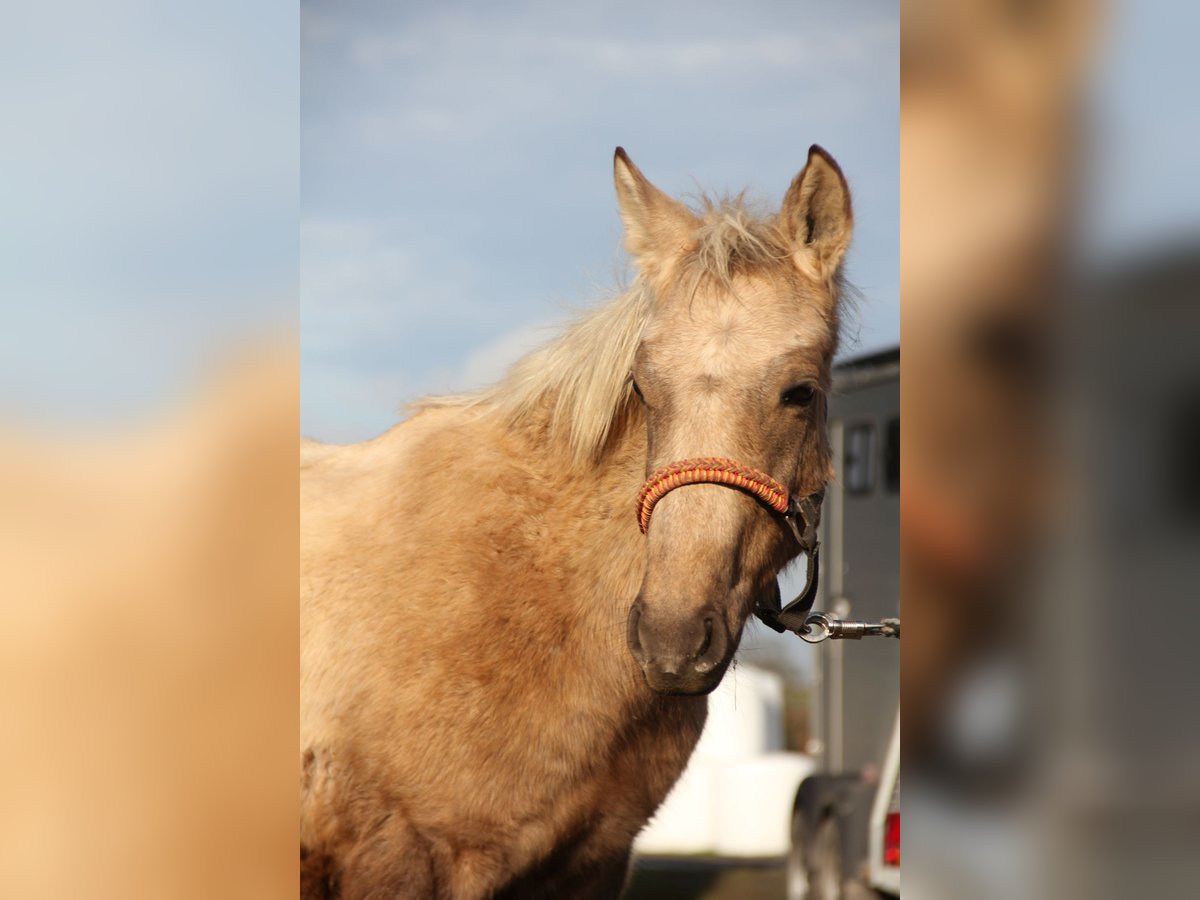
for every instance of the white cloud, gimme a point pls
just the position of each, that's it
(445, 44)
(461, 76)
(362, 285)
(488, 364)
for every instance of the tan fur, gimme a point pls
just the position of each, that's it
(473, 723)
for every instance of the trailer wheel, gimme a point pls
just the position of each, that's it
(814, 866)
(825, 861)
(797, 870)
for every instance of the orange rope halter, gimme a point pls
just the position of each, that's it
(713, 470)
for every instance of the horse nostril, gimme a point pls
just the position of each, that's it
(708, 633)
(632, 635)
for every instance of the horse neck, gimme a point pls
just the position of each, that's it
(595, 541)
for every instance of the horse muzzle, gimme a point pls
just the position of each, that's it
(679, 655)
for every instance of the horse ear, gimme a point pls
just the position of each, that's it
(817, 217)
(657, 228)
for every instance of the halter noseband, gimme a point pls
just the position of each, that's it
(803, 515)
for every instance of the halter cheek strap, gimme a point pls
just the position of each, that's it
(802, 515)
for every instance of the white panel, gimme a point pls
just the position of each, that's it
(754, 804)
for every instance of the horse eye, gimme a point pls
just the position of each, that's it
(798, 395)
(637, 390)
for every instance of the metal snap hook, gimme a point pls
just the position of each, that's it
(821, 626)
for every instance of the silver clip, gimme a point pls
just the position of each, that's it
(821, 626)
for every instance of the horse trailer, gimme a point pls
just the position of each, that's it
(846, 817)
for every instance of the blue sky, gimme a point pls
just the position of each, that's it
(457, 196)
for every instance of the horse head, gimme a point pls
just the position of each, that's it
(734, 362)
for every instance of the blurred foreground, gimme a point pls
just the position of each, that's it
(149, 649)
(148, 440)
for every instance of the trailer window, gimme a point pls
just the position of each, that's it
(891, 457)
(858, 462)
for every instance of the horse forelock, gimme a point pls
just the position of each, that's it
(734, 238)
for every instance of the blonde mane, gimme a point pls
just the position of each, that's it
(581, 378)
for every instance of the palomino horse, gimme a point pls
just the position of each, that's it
(502, 676)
